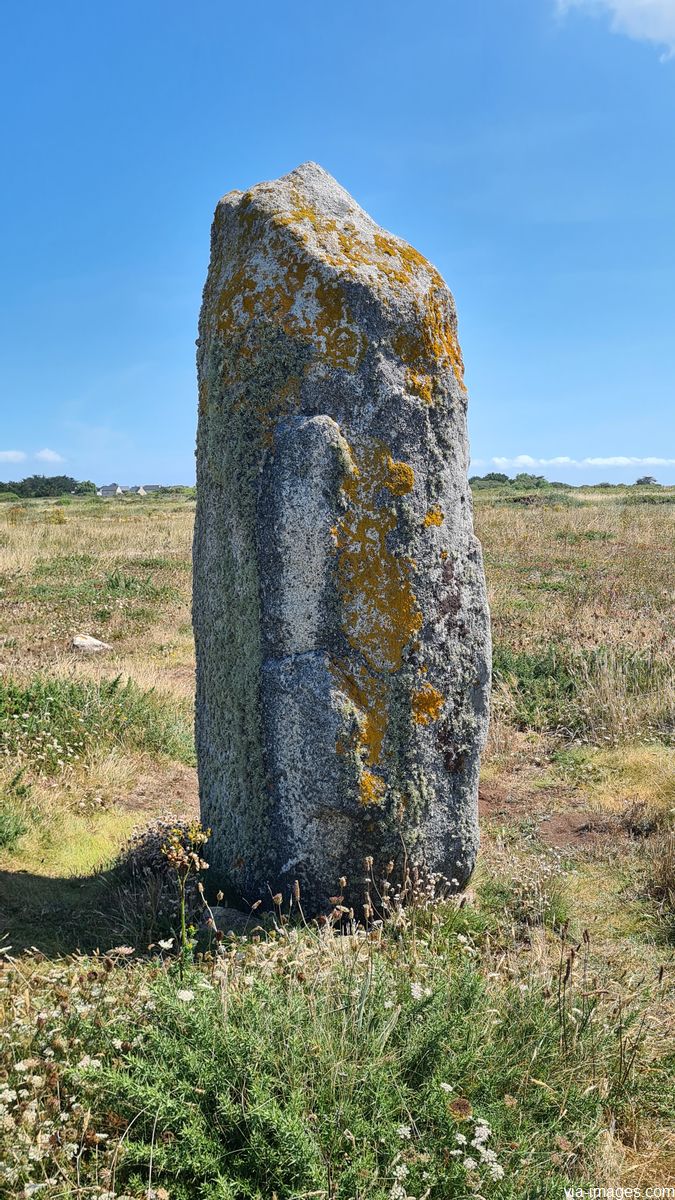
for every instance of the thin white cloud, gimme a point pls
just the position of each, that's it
(12, 456)
(645, 20)
(527, 462)
(50, 456)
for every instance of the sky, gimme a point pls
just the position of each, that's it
(525, 146)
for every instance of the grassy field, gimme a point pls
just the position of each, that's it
(510, 1045)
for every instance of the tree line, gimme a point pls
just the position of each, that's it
(37, 486)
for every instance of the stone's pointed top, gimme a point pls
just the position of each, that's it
(305, 190)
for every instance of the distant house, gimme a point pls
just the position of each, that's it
(117, 489)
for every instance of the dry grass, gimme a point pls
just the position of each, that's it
(599, 575)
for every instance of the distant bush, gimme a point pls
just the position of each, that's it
(5, 496)
(651, 498)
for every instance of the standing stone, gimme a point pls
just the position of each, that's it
(340, 614)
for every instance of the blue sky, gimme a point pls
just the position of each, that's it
(525, 146)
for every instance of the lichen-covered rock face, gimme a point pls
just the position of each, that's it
(340, 615)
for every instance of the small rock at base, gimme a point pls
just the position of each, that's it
(86, 644)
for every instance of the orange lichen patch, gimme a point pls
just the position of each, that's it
(434, 516)
(299, 300)
(369, 693)
(427, 705)
(421, 385)
(435, 342)
(444, 555)
(341, 343)
(399, 478)
(380, 608)
(380, 611)
(348, 248)
(371, 788)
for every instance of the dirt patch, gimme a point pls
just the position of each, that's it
(174, 790)
(573, 826)
(577, 828)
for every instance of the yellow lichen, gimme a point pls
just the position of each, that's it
(371, 788)
(422, 385)
(434, 343)
(399, 477)
(434, 516)
(380, 612)
(427, 705)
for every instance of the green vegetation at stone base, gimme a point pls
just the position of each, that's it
(415, 1061)
(48, 723)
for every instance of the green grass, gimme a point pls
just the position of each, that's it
(50, 723)
(560, 689)
(346, 1068)
(13, 818)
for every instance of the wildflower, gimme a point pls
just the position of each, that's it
(185, 995)
(87, 1062)
(403, 1131)
(470, 1164)
(446, 1087)
(166, 943)
(496, 1172)
(460, 1139)
(416, 991)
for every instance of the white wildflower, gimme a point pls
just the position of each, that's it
(185, 995)
(404, 1131)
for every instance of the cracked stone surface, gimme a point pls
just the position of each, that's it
(340, 614)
